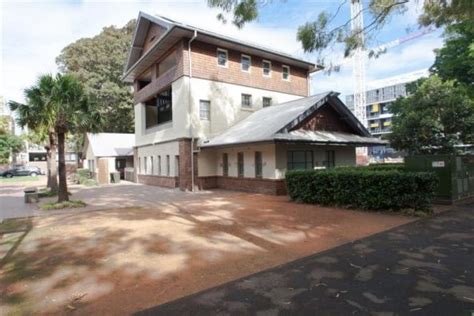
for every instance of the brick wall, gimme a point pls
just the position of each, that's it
(265, 186)
(185, 181)
(204, 63)
(325, 119)
(169, 182)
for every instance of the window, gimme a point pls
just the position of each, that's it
(159, 165)
(139, 165)
(330, 158)
(286, 73)
(300, 159)
(167, 165)
(258, 164)
(246, 100)
(266, 102)
(222, 57)
(240, 164)
(204, 110)
(152, 169)
(145, 165)
(225, 165)
(266, 65)
(159, 110)
(245, 63)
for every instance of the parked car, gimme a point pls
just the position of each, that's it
(21, 171)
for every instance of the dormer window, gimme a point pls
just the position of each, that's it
(222, 57)
(245, 63)
(267, 66)
(286, 73)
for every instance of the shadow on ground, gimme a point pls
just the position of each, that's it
(422, 268)
(123, 260)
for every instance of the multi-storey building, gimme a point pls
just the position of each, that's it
(212, 111)
(381, 94)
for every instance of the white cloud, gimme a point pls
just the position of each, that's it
(35, 32)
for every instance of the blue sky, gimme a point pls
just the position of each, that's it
(34, 32)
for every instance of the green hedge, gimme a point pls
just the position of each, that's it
(363, 188)
(83, 176)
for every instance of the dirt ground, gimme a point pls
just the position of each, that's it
(123, 260)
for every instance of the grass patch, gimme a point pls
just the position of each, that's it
(62, 205)
(44, 193)
(20, 179)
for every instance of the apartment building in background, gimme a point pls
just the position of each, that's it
(380, 95)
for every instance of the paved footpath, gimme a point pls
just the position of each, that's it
(422, 268)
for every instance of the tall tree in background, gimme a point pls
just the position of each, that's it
(455, 60)
(98, 63)
(37, 115)
(326, 30)
(434, 118)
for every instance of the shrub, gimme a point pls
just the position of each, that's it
(363, 188)
(83, 176)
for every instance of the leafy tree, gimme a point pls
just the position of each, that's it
(37, 114)
(73, 112)
(98, 63)
(9, 143)
(322, 33)
(455, 60)
(433, 119)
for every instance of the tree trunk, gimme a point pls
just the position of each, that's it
(62, 193)
(52, 163)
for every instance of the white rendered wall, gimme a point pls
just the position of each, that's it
(169, 148)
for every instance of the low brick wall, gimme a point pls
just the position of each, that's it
(265, 186)
(168, 182)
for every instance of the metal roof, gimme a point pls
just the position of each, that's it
(110, 144)
(274, 123)
(177, 30)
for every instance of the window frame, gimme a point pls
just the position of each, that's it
(208, 117)
(263, 102)
(159, 165)
(269, 68)
(145, 167)
(306, 162)
(283, 73)
(330, 161)
(242, 56)
(222, 50)
(240, 164)
(242, 101)
(258, 164)
(168, 166)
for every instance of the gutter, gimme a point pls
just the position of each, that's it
(191, 122)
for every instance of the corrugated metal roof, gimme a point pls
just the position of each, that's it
(111, 144)
(274, 122)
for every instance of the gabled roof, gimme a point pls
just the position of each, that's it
(275, 123)
(110, 144)
(176, 30)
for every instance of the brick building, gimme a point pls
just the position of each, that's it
(212, 111)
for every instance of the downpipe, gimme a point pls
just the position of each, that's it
(191, 123)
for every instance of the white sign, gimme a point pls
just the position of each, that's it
(437, 164)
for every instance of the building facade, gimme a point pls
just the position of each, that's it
(192, 86)
(381, 94)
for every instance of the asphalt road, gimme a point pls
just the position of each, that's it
(422, 268)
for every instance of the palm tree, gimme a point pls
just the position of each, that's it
(73, 112)
(37, 115)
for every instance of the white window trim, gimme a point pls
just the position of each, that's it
(263, 69)
(241, 103)
(226, 59)
(208, 102)
(289, 75)
(250, 63)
